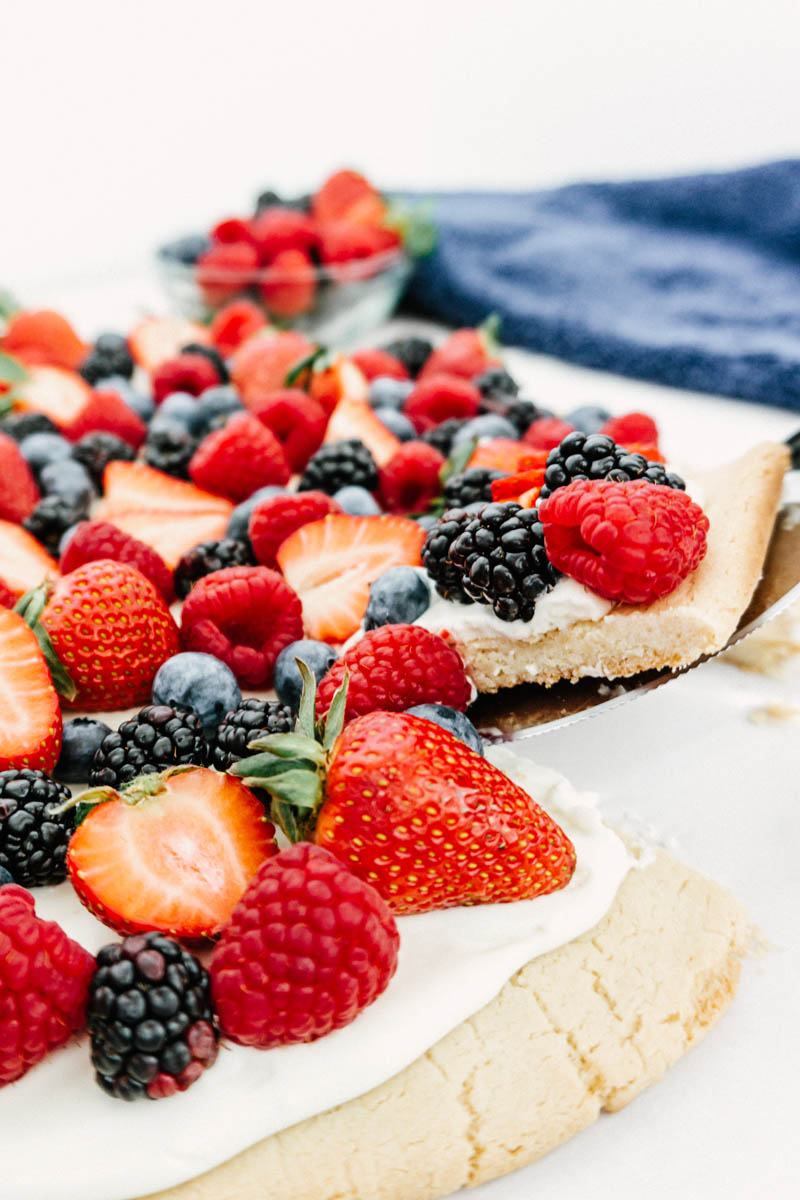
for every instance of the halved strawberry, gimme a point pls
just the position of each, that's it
(24, 563)
(331, 563)
(175, 854)
(106, 412)
(155, 339)
(504, 454)
(30, 714)
(171, 533)
(58, 393)
(352, 419)
(340, 380)
(131, 485)
(43, 336)
(523, 488)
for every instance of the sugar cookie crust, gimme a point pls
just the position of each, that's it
(741, 500)
(577, 1031)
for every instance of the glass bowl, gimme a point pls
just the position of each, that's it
(339, 302)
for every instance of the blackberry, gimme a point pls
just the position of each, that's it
(503, 561)
(496, 381)
(441, 437)
(522, 414)
(251, 720)
(470, 486)
(109, 356)
(170, 449)
(436, 554)
(158, 737)
(150, 1021)
(339, 464)
(96, 450)
(33, 838)
(21, 425)
(596, 456)
(214, 357)
(50, 519)
(207, 557)
(413, 353)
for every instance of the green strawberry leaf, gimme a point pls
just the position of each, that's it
(30, 607)
(457, 462)
(334, 722)
(307, 710)
(11, 369)
(309, 360)
(415, 225)
(8, 305)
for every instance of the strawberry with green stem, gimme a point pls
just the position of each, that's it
(409, 808)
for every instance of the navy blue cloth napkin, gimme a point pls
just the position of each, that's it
(691, 281)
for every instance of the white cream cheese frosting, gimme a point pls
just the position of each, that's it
(64, 1139)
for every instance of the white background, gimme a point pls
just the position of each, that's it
(126, 123)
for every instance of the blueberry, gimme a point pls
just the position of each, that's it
(318, 657)
(39, 449)
(397, 597)
(589, 418)
(488, 426)
(397, 423)
(139, 402)
(199, 682)
(453, 721)
(357, 501)
(186, 249)
(111, 343)
(5, 877)
(66, 537)
(385, 392)
(81, 738)
(179, 408)
(68, 479)
(216, 402)
(427, 521)
(240, 517)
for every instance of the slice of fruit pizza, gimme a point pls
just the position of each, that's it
(371, 536)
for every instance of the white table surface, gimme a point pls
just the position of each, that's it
(723, 792)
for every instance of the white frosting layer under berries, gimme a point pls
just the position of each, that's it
(564, 605)
(64, 1139)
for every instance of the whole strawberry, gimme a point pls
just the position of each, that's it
(111, 630)
(44, 984)
(308, 947)
(410, 809)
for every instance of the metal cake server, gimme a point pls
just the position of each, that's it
(531, 709)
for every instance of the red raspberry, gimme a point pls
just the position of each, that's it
(98, 539)
(273, 519)
(7, 597)
(279, 229)
(234, 324)
(633, 428)
(191, 373)
(375, 363)
(439, 397)
(411, 478)
(289, 284)
(18, 490)
(231, 230)
(626, 541)
(395, 667)
(243, 616)
(309, 946)
(225, 270)
(106, 412)
(297, 421)
(240, 458)
(546, 433)
(44, 984)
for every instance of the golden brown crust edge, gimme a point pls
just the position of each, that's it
(698, 618)
(577, 1031)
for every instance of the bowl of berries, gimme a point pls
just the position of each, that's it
(332, 264)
